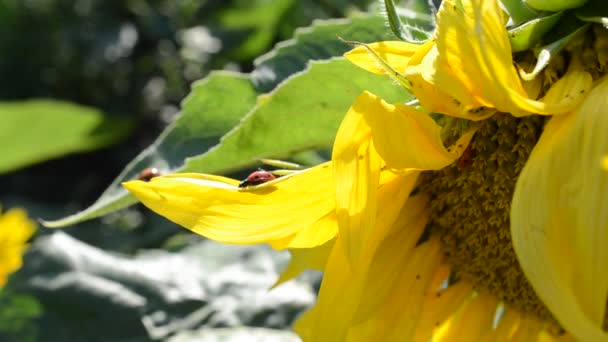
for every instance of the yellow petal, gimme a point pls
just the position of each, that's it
(305, 259)
(216, 208)
(564, 95)
(356, 167)
(472, 321)
(344, 282)
(475, 63)
(559, 217)
(326, 227)
(321, 231)
(462, 37)
(398, 308)
(405, 137)
(385, 58)
(508, 326)
(514, 325)
(420, 73)
(330, 318)
(439, 306)
(395, 259)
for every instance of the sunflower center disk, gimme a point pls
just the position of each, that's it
(471, 202)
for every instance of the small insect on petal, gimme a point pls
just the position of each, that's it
(147, 174)
(257, 177)
(467, 158)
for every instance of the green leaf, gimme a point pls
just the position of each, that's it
(18, 314)
(41, 129)
(394, 21)
(554, 5)
(227, 97)
(317, 42)
(519, 11)
(258, 21)
(404, 31)
(528, 34)
(302, 113)
(214, 106)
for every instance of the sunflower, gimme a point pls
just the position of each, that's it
(15, 230)
(478, 214)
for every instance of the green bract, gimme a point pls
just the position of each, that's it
(554, 5)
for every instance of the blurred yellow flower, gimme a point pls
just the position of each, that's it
(501, 235)
(15, 230)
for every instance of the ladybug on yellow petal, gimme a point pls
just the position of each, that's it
(147, 174)
(256, 178)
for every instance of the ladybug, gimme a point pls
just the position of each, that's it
(148, 174)
(257, 177)
(467, 157)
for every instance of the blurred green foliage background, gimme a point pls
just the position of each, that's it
(89, 84)
(133, 60)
